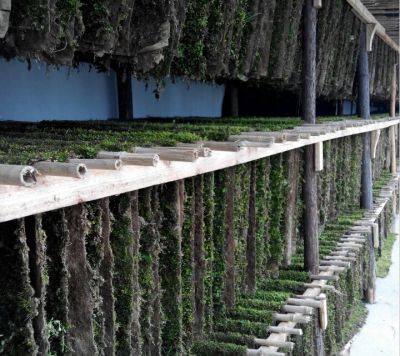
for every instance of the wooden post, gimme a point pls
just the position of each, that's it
(231, 100)
(366, 177)
(124, 85)
(311, 248)
(393, 92)
(364, 112)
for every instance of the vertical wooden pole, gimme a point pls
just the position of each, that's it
(393, 92)
(124, 86)
(231, 100)
(311, 253)
(364, 112)
(311, 243)
(366, 175)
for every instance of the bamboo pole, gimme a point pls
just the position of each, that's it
(285, 330)
(24, 176)
(145, 159)
(296, 318)
(304, 302)
(319, 286)
(264, 139)
(106, 164)
(223, 146)
(170, 153)
(287, 345)
(60, 169)
(298, 309)
(335, 263)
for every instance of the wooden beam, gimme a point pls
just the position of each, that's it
(367, 18)
(52, 193)
(319, 156)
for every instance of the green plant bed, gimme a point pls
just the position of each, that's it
(282, 285)
(234, 338)
(213, 348)
(244, 326)
(385, 259)
(262, 314)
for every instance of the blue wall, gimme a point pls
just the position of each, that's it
(71, 94)
(193, 99)
(41, 94)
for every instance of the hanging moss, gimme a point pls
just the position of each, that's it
(188, 262)
(80, 303)
(36, 241)
(55, 226)
(17, 305)
(170, 269)
(122, 247)
(209, 250)
(218, 241)
(241, 223)
(263, 195)
(213, 348)
(277, 188)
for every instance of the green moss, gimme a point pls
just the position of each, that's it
(122, 246)
(170, 269)
(385, 259)
(243, 326)
(252, 314)
(234, 338)
(214, 348)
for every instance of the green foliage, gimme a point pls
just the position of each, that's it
(234, 338)
(170, 269)
(277, 185)
(121, 242)
(214, 348)
(385, 259)
(55, 329)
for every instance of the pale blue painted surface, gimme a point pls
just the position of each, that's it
(41, 94)
(179, 99)
(71, 94)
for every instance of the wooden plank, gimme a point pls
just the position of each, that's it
(319, 156)
(52, 193)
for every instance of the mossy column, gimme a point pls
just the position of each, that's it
(366, 175)
(170, 268)
(311, 245)
(311, 257)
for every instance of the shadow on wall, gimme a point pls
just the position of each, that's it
(43, 93)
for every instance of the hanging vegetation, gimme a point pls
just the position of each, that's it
(256, 40)
(197, 266)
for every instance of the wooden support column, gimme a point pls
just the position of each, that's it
(311, 255)
(124, 85)
(231, 100)
(366, 175)
(393, 158)
(393, 92)
(311, 244)
(319, 156)
(375, 135)
(364, 112)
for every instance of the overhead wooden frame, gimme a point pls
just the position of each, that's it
(366, 16)
(371, 30)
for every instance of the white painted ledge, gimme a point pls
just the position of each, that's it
(59, 192)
